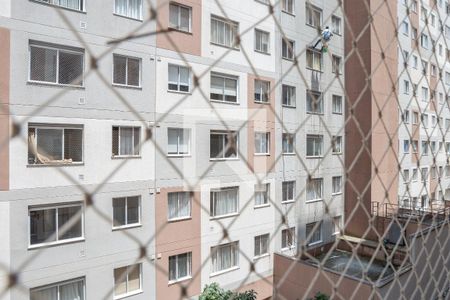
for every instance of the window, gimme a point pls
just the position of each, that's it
(180, 266)
(224, 88)
(288, 191)
(54, 144)
(179, 141)
(406, 87)
(288, 95)
(415, 61)
(405, 57)
(129, 8)
(262, 91)
(405, 28)
(314, 60)
(424, 174)
(424, 94)
(288, 143)
(337, 185)
(424, 67)
(262, 244)
(288, 238)
(337, 225)
(70, 289)
(224, 32)
(223, 144)
(433, 147)
(433, 70)
(424, 40)
(337, 144)
(424, 148)
(180, 17)
(413, 33)
(336, 104)
(415, 118)
(405, 175)
(126, 70)
(415, 146)
(406, 116)
(447, 170)
(127, 280)
(424, 14)
(447, 77)
(314, 189)
(337, 65)
(433, 172)
(70, 4)
(225, 257)
(126, 141)
(287, 48)
(262, 41)
(425, 120)
(179, 78)
(313, 16)
(46, 223)
(56, 64)
(224, 201)
(336, 25)
(314, 102)
(414, 175)
(262, 143)
(405, 146)
(314, 233)
(287, 6)
(126, 211)
(314, 145)
(179, 205)
(262, 194)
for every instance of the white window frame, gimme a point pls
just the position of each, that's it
(179, 7)
(178, 82)
(184, 131)
(338, 30)
(265, 34)
(128, 13)
(81, 6)
(289, 45)
(127, 294)
(334, 98)
(233, 28)
(58, 49)
(128, 225)
(262, 191)
(57, 240)
(59, 284)
(336, 64)
(312, 57)
(288, 238)
(288, 93)
(234, 248)
(259, 244)
(317, 231)
(316, 137)
(287, 188)
(138, 153)
(224, 144)
(309, 9)
(225, 77)
(337, 147)
(179, 196)
(312, 184)
(126, 71)
(314, 107)
(337, 225)
(259, 87)
(260, 136)
(188, 267)
(288, 6)
(288, 138)
(333, 181)
(212, 208)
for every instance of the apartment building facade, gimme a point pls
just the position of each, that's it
(148, 168)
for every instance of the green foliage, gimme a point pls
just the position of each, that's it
(320, 296)
(215, 292)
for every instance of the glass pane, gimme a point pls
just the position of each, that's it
(43, 64)
(134, 281)
(172, 268)
(173, 16)
(45, 294)
(121, 7)
(182, 265)
(137, 140)
(184, 205)
(73, 145)
(133, 71)
(49, 144)
(126, 141)
(173, 205)
(42, 226)
(72, 291)
(119, 211)
(70, 68)
(120, 67)
(120, 281)
(69, 214)
(132, 210)
(135, 9)
(231, 145)
(184, 76)
(184, 18)
(184, 141)
(172, 136)
(216, 145)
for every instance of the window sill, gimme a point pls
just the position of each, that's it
(315, 243)
(288, 106)
(261, 256)
(224, 271)
(179, 155)
(171, 282)
(313, 201)
(337, 113)
(314, 70)
(312, 26)
(173, 29)
(55, 165)
(126, 157)
(262, 154)
(125, 86)
(57, 243)
(223, 216)
(124, 227)
(129, 18)
(288, 154)
(288, 13)
(261, 102)
(180, 92)
(261, 206)
(225, 46)
(287, 202)
(288, 59)
(314, 157)
(128, 294)
(56, 85)
(336, 153)
(290, 248)
(224, 159)
(58, 6)
(175, 220)
(336, 194)
(224, 102)
(315, 113)
(262, 52)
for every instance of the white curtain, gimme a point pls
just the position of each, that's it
(45, 294)
(71, 291)
(135, 9)
(172, 135)
(126, 140)
(73, 4)
(173, 205)
(225, 202)
(121, 7)
(184, 206)
(185, 18)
